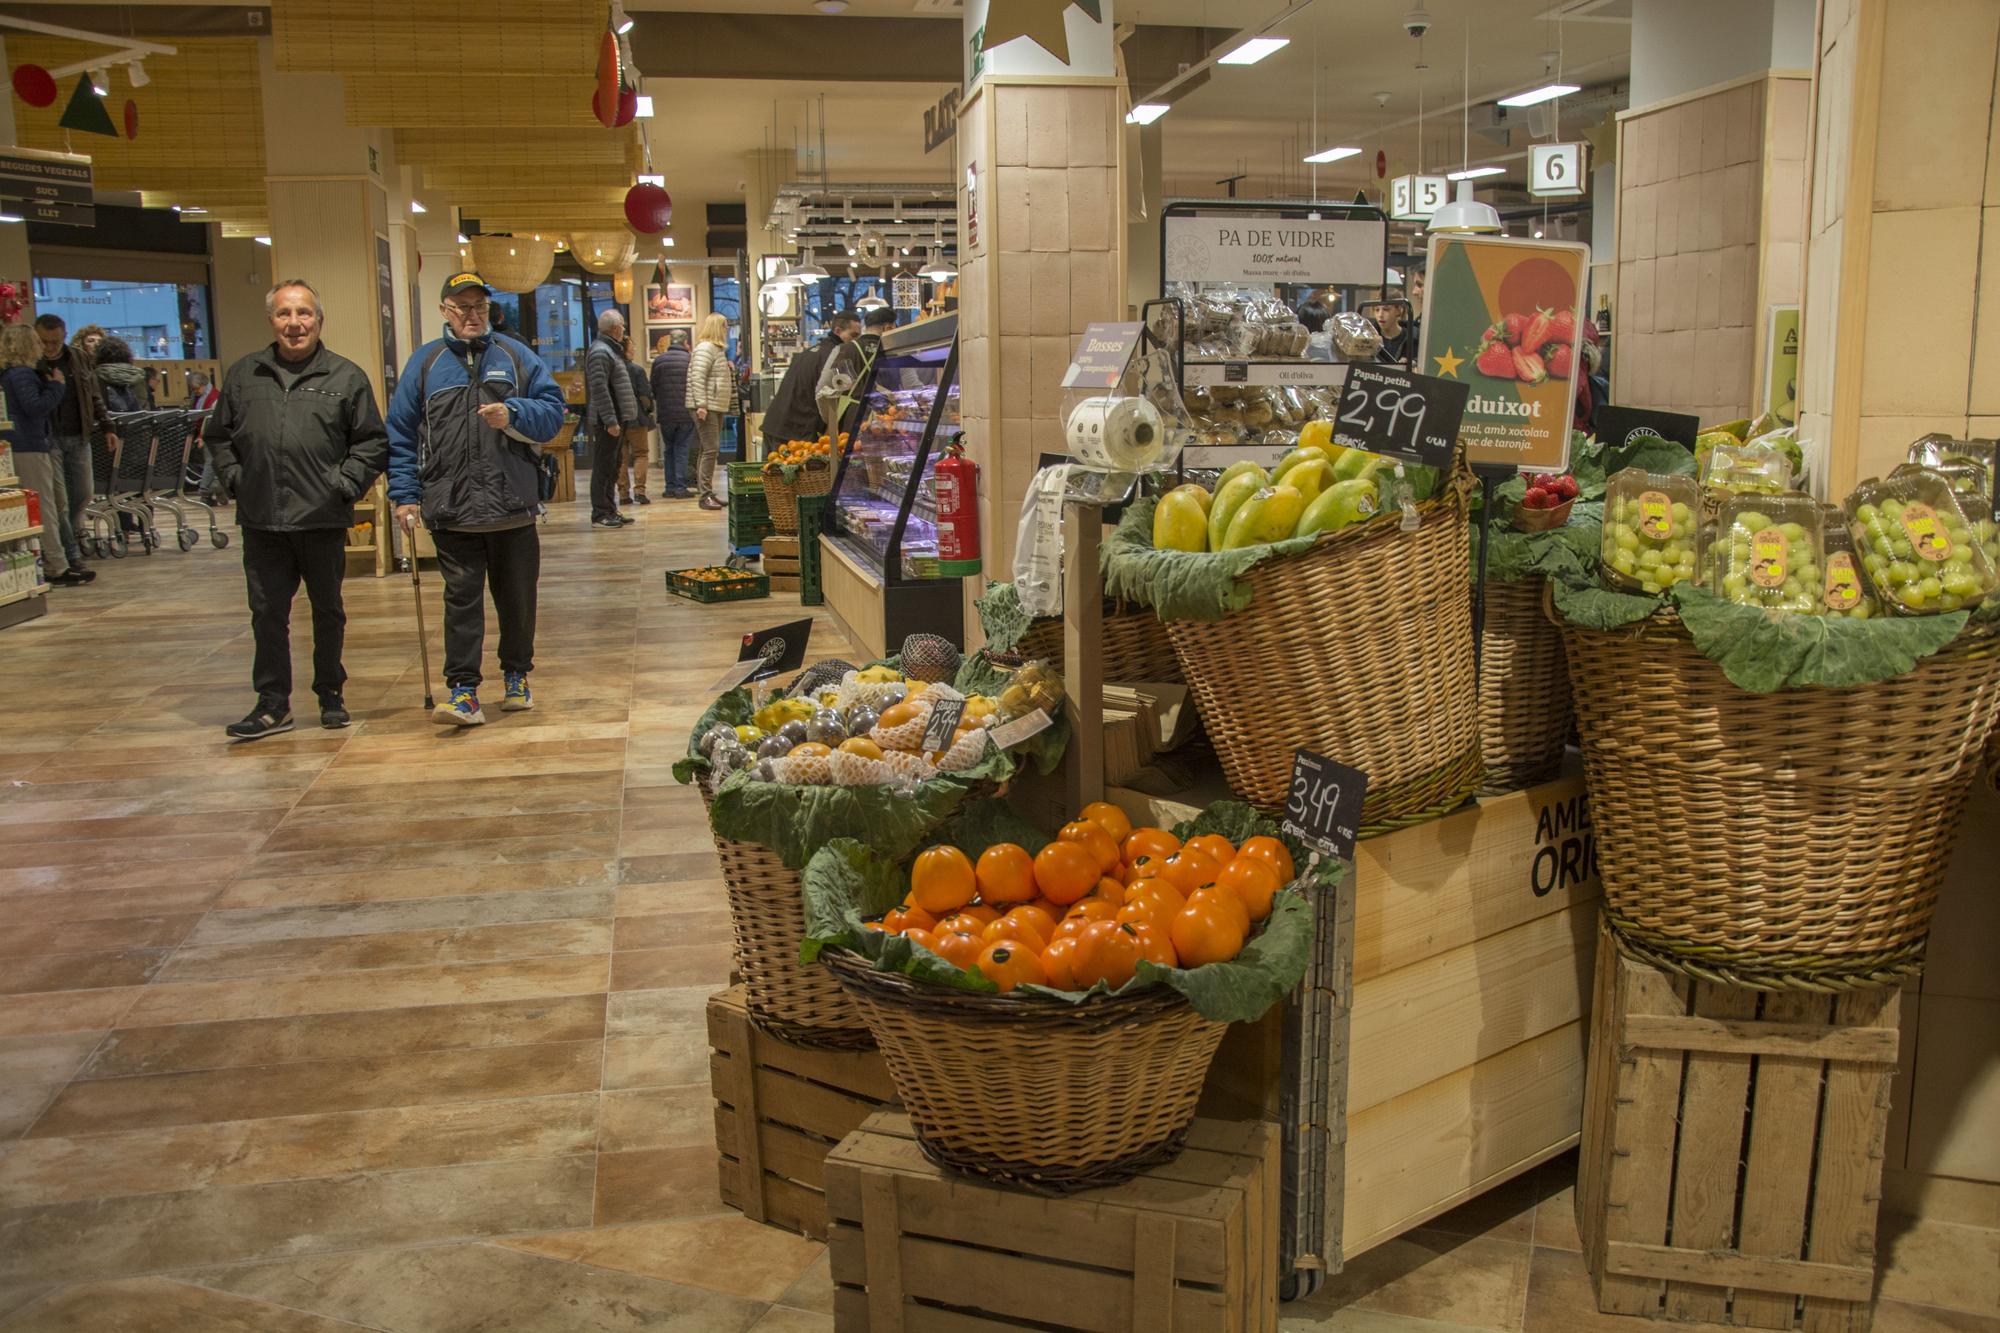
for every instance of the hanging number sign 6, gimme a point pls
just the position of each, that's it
(1555, 170)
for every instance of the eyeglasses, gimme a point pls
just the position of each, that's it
(460, 307)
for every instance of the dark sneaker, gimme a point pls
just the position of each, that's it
(627, 520)
(264, 722)
(607, 522)
(69, 578)
(83, 575)
(518, 698)
(333, 714)
(680, 494)
(624, 499)
(642, 498)
(461, 710)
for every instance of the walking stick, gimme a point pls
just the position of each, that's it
(417, 590)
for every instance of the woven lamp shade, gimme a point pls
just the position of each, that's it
(604, 251)
(513, 263)
(621, 286)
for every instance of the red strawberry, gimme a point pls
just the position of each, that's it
(1495, 360)
(1542, 500)
(1513, 325)
(1535, 332)
(1528, 367)
(1566, 487)
(1562, 326)
(1559, 359)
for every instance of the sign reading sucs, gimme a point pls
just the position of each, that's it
(1245, 248)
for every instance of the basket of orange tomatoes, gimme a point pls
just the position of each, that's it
(1048, 1007)
(795, 468)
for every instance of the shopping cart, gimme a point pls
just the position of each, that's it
(176, 432)
(118, 505)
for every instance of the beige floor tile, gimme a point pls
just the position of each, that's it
(389, 988)
(654, 1184)
(1938, 1263)
(398, 948)
(814, 1289)
(161, 1305)
(657, 1118)
(783, 1319)
(1467, 1280)
(729, 1253)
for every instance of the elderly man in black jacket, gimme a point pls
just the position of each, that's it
(297, 439)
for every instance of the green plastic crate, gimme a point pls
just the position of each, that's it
(745, 477)
(741, 586)
(812, 519)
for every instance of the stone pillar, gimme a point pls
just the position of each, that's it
(1041, 252)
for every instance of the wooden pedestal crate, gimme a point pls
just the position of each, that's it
(1189, 1247)
(779, 1109)
(1732, 1148)
(781, 562)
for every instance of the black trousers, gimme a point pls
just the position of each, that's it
(510, 563)
(274, 563)
(607, 460)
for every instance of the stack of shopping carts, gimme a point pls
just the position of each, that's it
(145, 473)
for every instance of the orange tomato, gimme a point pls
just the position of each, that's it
(1272, 852)
(1072, 926)
(959, 948)
(1204, 933)
(1006, 874)
(1149, 842)
(1044, 920)
(1065, 871)
(1107, 952)
(1156, 944)
(1059, 961)
(1146, 867)
(1022, 931)
(1159, 891)
(916, 935)
(1092, 838)
(1251, 880)
(942, 880)
(1109, 818)
(874, 925)
(1094, 908)
(981, 913)
(1131, 914)
(959, 923)
(906, 917)
(1109, 888)
(1007, 964)
(1214, 845)
(1236, 908)
(1188, 870)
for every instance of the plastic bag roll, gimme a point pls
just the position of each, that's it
(1116, 434)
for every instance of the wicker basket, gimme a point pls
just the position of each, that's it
(814, 477)
(1051, 1096)
(1791, 840)
(1525, 716)
(1135, 645)
(767, 916)
(1359, 647)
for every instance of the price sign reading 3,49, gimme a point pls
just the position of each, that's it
(1323, 807)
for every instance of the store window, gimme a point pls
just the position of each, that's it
(725, 298)
(163, 321)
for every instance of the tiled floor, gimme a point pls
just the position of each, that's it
(402, 1030)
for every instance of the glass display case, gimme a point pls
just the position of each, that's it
(881, 527)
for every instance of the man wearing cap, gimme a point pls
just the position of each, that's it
(471, 413)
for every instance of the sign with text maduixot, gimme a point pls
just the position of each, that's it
(1505, 317)
(1243, 247)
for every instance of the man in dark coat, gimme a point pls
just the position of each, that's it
(677, 430)
(297, 440)
(794, 410)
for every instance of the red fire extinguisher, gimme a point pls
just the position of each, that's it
(957, 511)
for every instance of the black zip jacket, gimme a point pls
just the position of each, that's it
(794, 411)
(297, 460)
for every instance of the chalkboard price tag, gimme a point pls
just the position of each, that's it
(1404, 415)
(768, 652)
(1624, 425)
(1323, 808)
(944, 721)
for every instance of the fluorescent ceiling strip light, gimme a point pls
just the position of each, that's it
(1146, 113)
(1254, 50)
(1548, 92)
(1474, 173)
(1333, 154)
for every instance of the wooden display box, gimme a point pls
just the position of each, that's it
(1732, 1149)
(1189, 1247)
(779, 1109)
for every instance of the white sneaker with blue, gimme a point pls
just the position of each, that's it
(518, 698)
(460, 710)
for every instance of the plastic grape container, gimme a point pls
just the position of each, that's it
(1971, 481)
(1769, 552)
(1916, 544)
(1747, 469)
(1845, 591)
(1651, 533)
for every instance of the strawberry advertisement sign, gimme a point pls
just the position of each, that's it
(1504, 317)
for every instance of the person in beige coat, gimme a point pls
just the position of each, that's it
(710, 383)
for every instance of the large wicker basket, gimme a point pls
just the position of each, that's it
(767, 916)
(1359, 648)
(1134, 644)
(1525, 715)
(1791, 840)
(781, 494)
(1051, 1096)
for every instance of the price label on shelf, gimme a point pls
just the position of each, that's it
(1010, 734)
(767, 652)
(1404, 415)
(1323, 808)
(944, 721)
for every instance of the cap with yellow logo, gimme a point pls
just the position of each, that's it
(459, 282)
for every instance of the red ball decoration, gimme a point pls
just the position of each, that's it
(628, 107)
(604, 99)
(131, 119)
(34, 85)
(648, 208)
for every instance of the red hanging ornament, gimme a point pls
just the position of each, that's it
(604, 101)
(648, 208)
(628, 105)
(34, 85)
(131, 119)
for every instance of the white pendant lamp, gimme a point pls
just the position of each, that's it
(1465, 215)
(809, 271)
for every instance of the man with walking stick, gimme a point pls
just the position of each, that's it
(296, 439)
(471, 413)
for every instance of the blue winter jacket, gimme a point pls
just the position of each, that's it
(31, 401)
(463, 472)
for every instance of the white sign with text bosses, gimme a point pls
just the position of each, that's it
(1555, 170)
(1415, 198)
(1242, 247)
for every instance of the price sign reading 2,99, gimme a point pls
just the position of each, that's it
(1411, 417)
(1323, 807)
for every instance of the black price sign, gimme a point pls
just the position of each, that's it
(1323, 808)
(1625, 425)
(944, 721)
(1404, 415)
(768, 652)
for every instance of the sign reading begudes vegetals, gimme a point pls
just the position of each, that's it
(1236, 247)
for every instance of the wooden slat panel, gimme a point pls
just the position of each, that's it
(1777, 1171)
(1716, 1271)
(1674, 1032)
(387, 36)
(378, 99)
(1646, 1108)
(1713, 1106)
(1848, 1183)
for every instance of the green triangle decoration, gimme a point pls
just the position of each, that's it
(86, 112)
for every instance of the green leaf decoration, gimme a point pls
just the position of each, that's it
(1180, 585)
(1761, 651)
(1582, 602)
(1650, 453)
(1001, 617)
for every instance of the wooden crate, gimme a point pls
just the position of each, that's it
(781, 557)
(784, 583)
(1189, 1247)
(1732, 1149)
(779, 1109)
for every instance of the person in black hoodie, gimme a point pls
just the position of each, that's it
(122, 383)
(794, 410)
(297, 439)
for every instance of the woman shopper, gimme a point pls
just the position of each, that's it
(123, 383)
(708, 386)
(32, 397)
